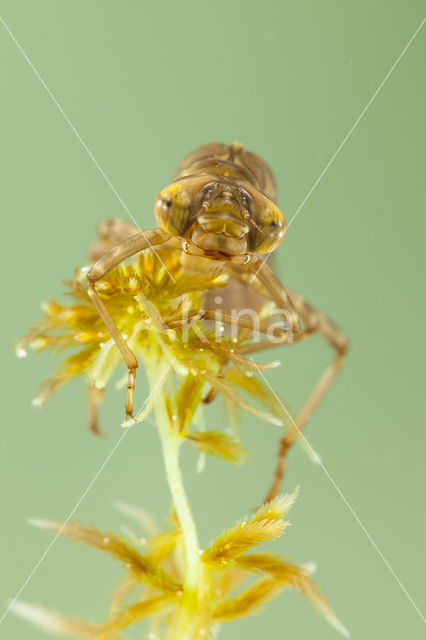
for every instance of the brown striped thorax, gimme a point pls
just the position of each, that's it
(221, 204)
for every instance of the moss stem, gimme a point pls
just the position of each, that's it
(170, 442)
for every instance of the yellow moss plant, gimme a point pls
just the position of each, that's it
(185, 591)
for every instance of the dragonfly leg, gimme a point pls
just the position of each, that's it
(111, 232)
(314, 322)
(292, 308)
(262, 272)
(95, 398)
(113, 258)
(235, 322)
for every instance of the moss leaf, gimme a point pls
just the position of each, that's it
(265, 524)
(219, 444)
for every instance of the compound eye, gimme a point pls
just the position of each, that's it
(173, 209)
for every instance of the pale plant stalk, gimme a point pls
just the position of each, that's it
(170, 442)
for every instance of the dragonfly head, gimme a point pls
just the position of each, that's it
(219, 217)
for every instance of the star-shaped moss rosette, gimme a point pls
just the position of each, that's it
(186, 591)
(146, 297)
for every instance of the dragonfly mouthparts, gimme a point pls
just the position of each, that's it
(223, 222)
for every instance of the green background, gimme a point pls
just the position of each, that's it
(144, 83)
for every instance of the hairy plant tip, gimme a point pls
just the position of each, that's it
(158, 308)
(139, 565)
(265, 524)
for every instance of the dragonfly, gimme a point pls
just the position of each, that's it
(221, 205)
